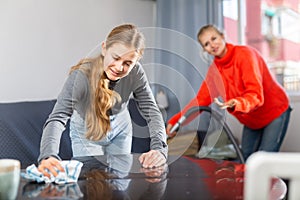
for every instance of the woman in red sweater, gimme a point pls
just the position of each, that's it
(240, 76)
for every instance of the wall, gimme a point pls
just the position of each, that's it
(41, 40)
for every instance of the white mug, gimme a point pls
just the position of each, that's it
(9, 178)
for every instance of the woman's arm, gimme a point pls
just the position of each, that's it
(251, 81)
(74, 89)
(150, 111)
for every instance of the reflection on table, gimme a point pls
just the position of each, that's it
(122, 177)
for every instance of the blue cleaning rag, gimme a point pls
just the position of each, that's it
(70, 175)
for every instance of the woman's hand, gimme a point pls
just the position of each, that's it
(50, 165)
(228, 104)
(169, 126)
(152, 158)
(52, 191)
(155, 175)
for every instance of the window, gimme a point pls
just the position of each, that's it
(279, 38)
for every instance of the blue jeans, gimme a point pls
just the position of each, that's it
(117, 141)
(268, 138)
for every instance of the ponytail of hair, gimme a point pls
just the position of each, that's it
(101, 98)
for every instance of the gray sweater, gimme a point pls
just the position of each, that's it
(74, 96)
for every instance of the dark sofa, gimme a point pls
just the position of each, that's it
(21, 125)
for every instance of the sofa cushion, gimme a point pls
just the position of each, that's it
(21, 127)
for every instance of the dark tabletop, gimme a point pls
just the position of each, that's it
(122, 177)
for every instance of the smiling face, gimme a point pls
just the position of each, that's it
(213, 42)
(118, 60)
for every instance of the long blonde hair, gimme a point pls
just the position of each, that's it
(102, 98)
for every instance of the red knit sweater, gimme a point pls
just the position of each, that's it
(242, 74)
